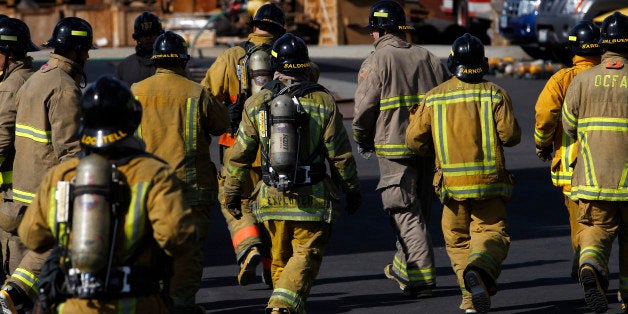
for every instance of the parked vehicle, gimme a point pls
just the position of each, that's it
(557, 17)
(474, 16)
(517, 24)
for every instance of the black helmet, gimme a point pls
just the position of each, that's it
(614, 36)
(289, 54)
(169, 47)
(147, 24)
(271, 16)
(467, 61)
(71, 33)
(388, 15)
(15, 36)
(109, 113)
(584, 39)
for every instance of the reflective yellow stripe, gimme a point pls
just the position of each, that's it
(473, 168)
(542, 138)
(289, 297)
(393, 150)
(37, 135)
(78, 33)
(603, 124)
(190, 147)
(589, 170)
(6, 177)
(134, 225)
(597, 193)
(400, 101)
(488, 129)
(624, 177)
(26, 277)
(8, 37)
(569, 118)
(482, 255)
(23, 196)
(593, 252)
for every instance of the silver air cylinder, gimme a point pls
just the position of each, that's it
(91, 217)
(259, 67)
(283, 138)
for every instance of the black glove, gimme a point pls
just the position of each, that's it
(354, 201)
(234, 205)
(544, 152)
(235, 114)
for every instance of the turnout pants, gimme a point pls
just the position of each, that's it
(572, 210)
(600, 223)
(185, 280)
(244, 232)
(406, 189)
(475, 236)
(297, 253)
(21, 265)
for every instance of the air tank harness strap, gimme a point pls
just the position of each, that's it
(124, 281)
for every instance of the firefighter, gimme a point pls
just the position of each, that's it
(139, 65)
(193, 115)
(298, 126)
(46, 126)
(595, 113)
(548, 131)
(471, 177)
(229, 80)
(16, 67)
(126, 212)
(393, 78)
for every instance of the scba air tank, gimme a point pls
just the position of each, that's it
(91, 217)
(283, 136)
(259, 67)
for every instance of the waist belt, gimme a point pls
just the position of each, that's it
(125, 281)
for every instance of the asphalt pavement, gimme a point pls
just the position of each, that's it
(535, 276)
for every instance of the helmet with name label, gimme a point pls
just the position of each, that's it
(584, 39)
(466, 60)
(15, 36)
(614, 36)
(71, 33)
(147, 24)
(170, 47)
(109, 113)
(290, 55)
(388, 15)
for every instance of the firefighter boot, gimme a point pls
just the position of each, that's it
(13, 300)
(594, 295)
(479, 294)
(247, 275)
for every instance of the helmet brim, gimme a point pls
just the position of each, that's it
(31, 47)
(405, 27)
(50, 44)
